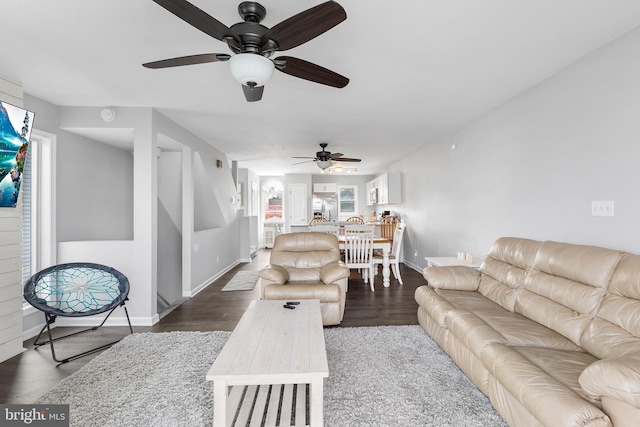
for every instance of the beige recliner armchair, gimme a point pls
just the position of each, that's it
(307, 266)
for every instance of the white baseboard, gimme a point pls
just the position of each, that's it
(413, 266)
(113, 321)
(210, 280)
(90, 321)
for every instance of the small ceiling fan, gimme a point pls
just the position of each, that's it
(325, 159)
(253, 43)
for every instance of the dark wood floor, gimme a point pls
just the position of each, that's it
(27, 376)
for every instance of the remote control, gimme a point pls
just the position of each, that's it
(293, 302)
(290, 307)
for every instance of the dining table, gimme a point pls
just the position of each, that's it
(378, 243)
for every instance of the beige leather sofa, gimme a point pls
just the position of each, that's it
(548, 331)
(307, 266)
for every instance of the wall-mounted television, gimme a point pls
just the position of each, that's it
(15, 133)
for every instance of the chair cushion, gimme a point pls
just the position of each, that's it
(303, 290)
(304, 250)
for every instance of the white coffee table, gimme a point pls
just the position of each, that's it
(273, 351)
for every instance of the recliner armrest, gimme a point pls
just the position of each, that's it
(334, 271)
(459, 278)
(275, 274)
(617, 378)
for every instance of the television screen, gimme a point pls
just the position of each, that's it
(15, 132)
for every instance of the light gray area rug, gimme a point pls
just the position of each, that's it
(242, 281)
(378, 376)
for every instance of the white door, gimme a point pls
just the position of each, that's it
(297, 204)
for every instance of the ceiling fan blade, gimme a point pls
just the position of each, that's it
(306, 25)
(198, 18)
(335, 155)
(298, 157)
(253, 93)
(188, 60)
(299, 163)
(308, 71)
(347, 159)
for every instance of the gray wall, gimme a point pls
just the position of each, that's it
(169, 228)
(531, 167)
(93, 180)
(94, 187)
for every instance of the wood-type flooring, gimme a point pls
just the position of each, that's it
(32, 373)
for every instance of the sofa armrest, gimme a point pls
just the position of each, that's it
(460, 278)
(334, 271)
(616, 378)
(274, 274)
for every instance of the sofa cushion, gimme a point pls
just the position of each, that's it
(435, 305)
(566, 286)
(477, 329)
(545, 382)
(438, 302)
(615, 331)
(505, 268)
(459, 278)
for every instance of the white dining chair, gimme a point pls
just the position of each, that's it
(394, 256)
(327, 227)
(359, 250)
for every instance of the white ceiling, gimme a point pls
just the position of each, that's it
(418, 69)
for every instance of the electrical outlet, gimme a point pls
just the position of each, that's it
(415, 254)
(602, 208)
(196, 248)
(217, 258)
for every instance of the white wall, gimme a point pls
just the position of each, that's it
(531, 167)
(11, 255)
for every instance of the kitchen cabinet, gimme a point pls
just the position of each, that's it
(325, 187)
(387, 188)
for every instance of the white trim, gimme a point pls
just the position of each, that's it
(343, 216)
(413, 266)
(209, 281)
(43, 197)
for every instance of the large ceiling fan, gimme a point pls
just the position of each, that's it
(325, 159)
(253, 43)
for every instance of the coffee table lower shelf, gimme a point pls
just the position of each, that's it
(269, 405)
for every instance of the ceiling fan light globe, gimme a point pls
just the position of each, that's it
(251, 69)
(323, 164)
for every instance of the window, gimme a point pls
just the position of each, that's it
(347, 201)
(272, 191)
(38, 207)
(25, 190)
